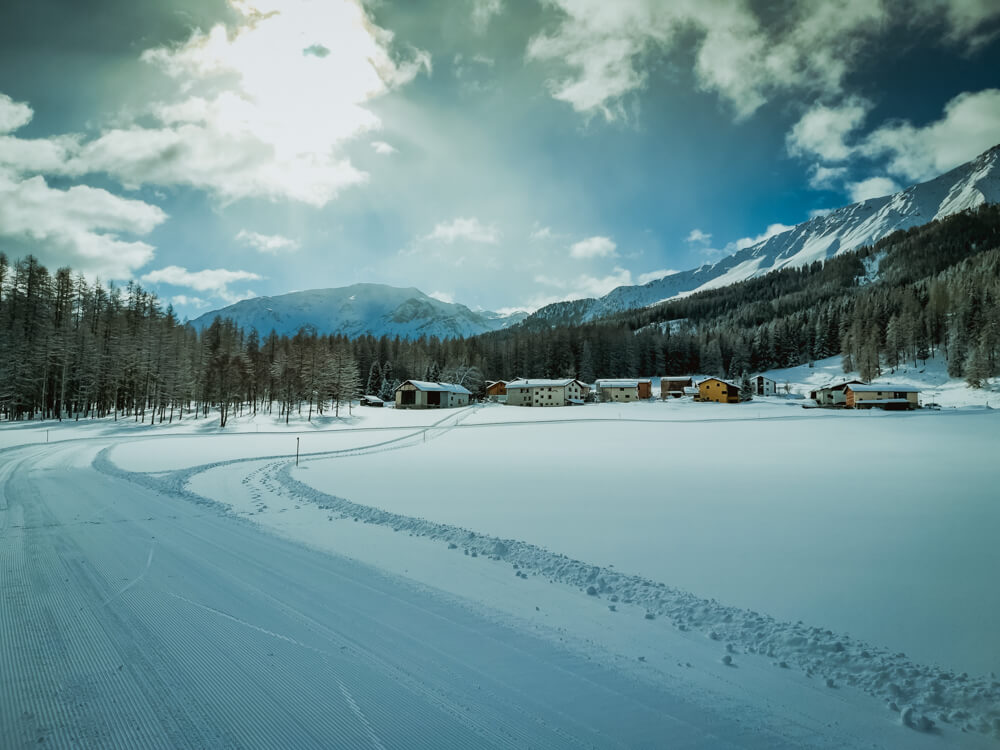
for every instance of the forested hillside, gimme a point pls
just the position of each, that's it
(74, 349)
(928, 289)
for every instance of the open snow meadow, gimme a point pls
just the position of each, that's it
(608, 575)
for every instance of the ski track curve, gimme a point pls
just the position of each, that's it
(129, 619)
(933, 694)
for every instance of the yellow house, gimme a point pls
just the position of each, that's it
(718, 390)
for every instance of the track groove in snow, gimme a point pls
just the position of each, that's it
(98, 649)
(970, 702)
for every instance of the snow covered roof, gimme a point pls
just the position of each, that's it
(883, 388)
(690, 390)
(491, 383)
(730, 383)
(676, 378)
(618, 383)
(836, 386)
(540, 383)
(423, 385)
(373, 399)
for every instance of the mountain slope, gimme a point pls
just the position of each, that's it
(360, 309)
(848, 228)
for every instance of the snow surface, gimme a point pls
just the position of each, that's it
(824, 578)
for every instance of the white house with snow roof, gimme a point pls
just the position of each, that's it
(420, 394)
(544, 392)
(623, 389)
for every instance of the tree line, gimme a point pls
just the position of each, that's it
(72, 349)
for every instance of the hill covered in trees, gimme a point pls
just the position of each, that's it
(73, 349)
(916, 292)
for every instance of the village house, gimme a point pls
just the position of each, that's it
(763, 386)
(673, 386)
(623, 389)
(420, 394)
(645, 388)
(718, 390)
(540, 392)
(496, 390)
(832, 395)
(882, 395)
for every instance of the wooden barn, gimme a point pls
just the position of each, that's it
(496, 390)
(673, 386)
(420, 394)
(718, 390)
(882, 396)
(832, 395)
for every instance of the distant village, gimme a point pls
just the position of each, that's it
(849, 394)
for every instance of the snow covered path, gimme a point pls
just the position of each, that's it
(130, 618)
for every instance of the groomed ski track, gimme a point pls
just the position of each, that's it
(134, 618)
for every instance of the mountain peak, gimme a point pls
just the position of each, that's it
(863, 223)
(358, 310)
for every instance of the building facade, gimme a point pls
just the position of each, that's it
(496, 390)
(882, 395)
(618, 389)
(539, 392)
(762, 386)
(719, 391)
(420, 394)
(832, 395)
(673, 386)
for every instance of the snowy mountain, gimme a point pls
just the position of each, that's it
(848, 228)
(358, 310)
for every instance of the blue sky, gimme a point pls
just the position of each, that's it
(499, 153)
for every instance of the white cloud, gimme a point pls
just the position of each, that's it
(966, 19)
(698, 237)
(467, 229)
(13, 115)
(581, 286)
(712, 254)
(970, 125)
(604, 46)
(81, 226)
(214, 280)
(599, 51)
(443, 296)
(594, 247)
(483, 11)
(817, 213)
(237, 128)
(384, 149)
(823, 130)
(744, 242)
(186, 301)
(541, 233)
(873, 187)
(645, 278)
(273, 244)
(826, 178)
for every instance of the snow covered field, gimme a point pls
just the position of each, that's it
(856, 523)
(677, 544)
